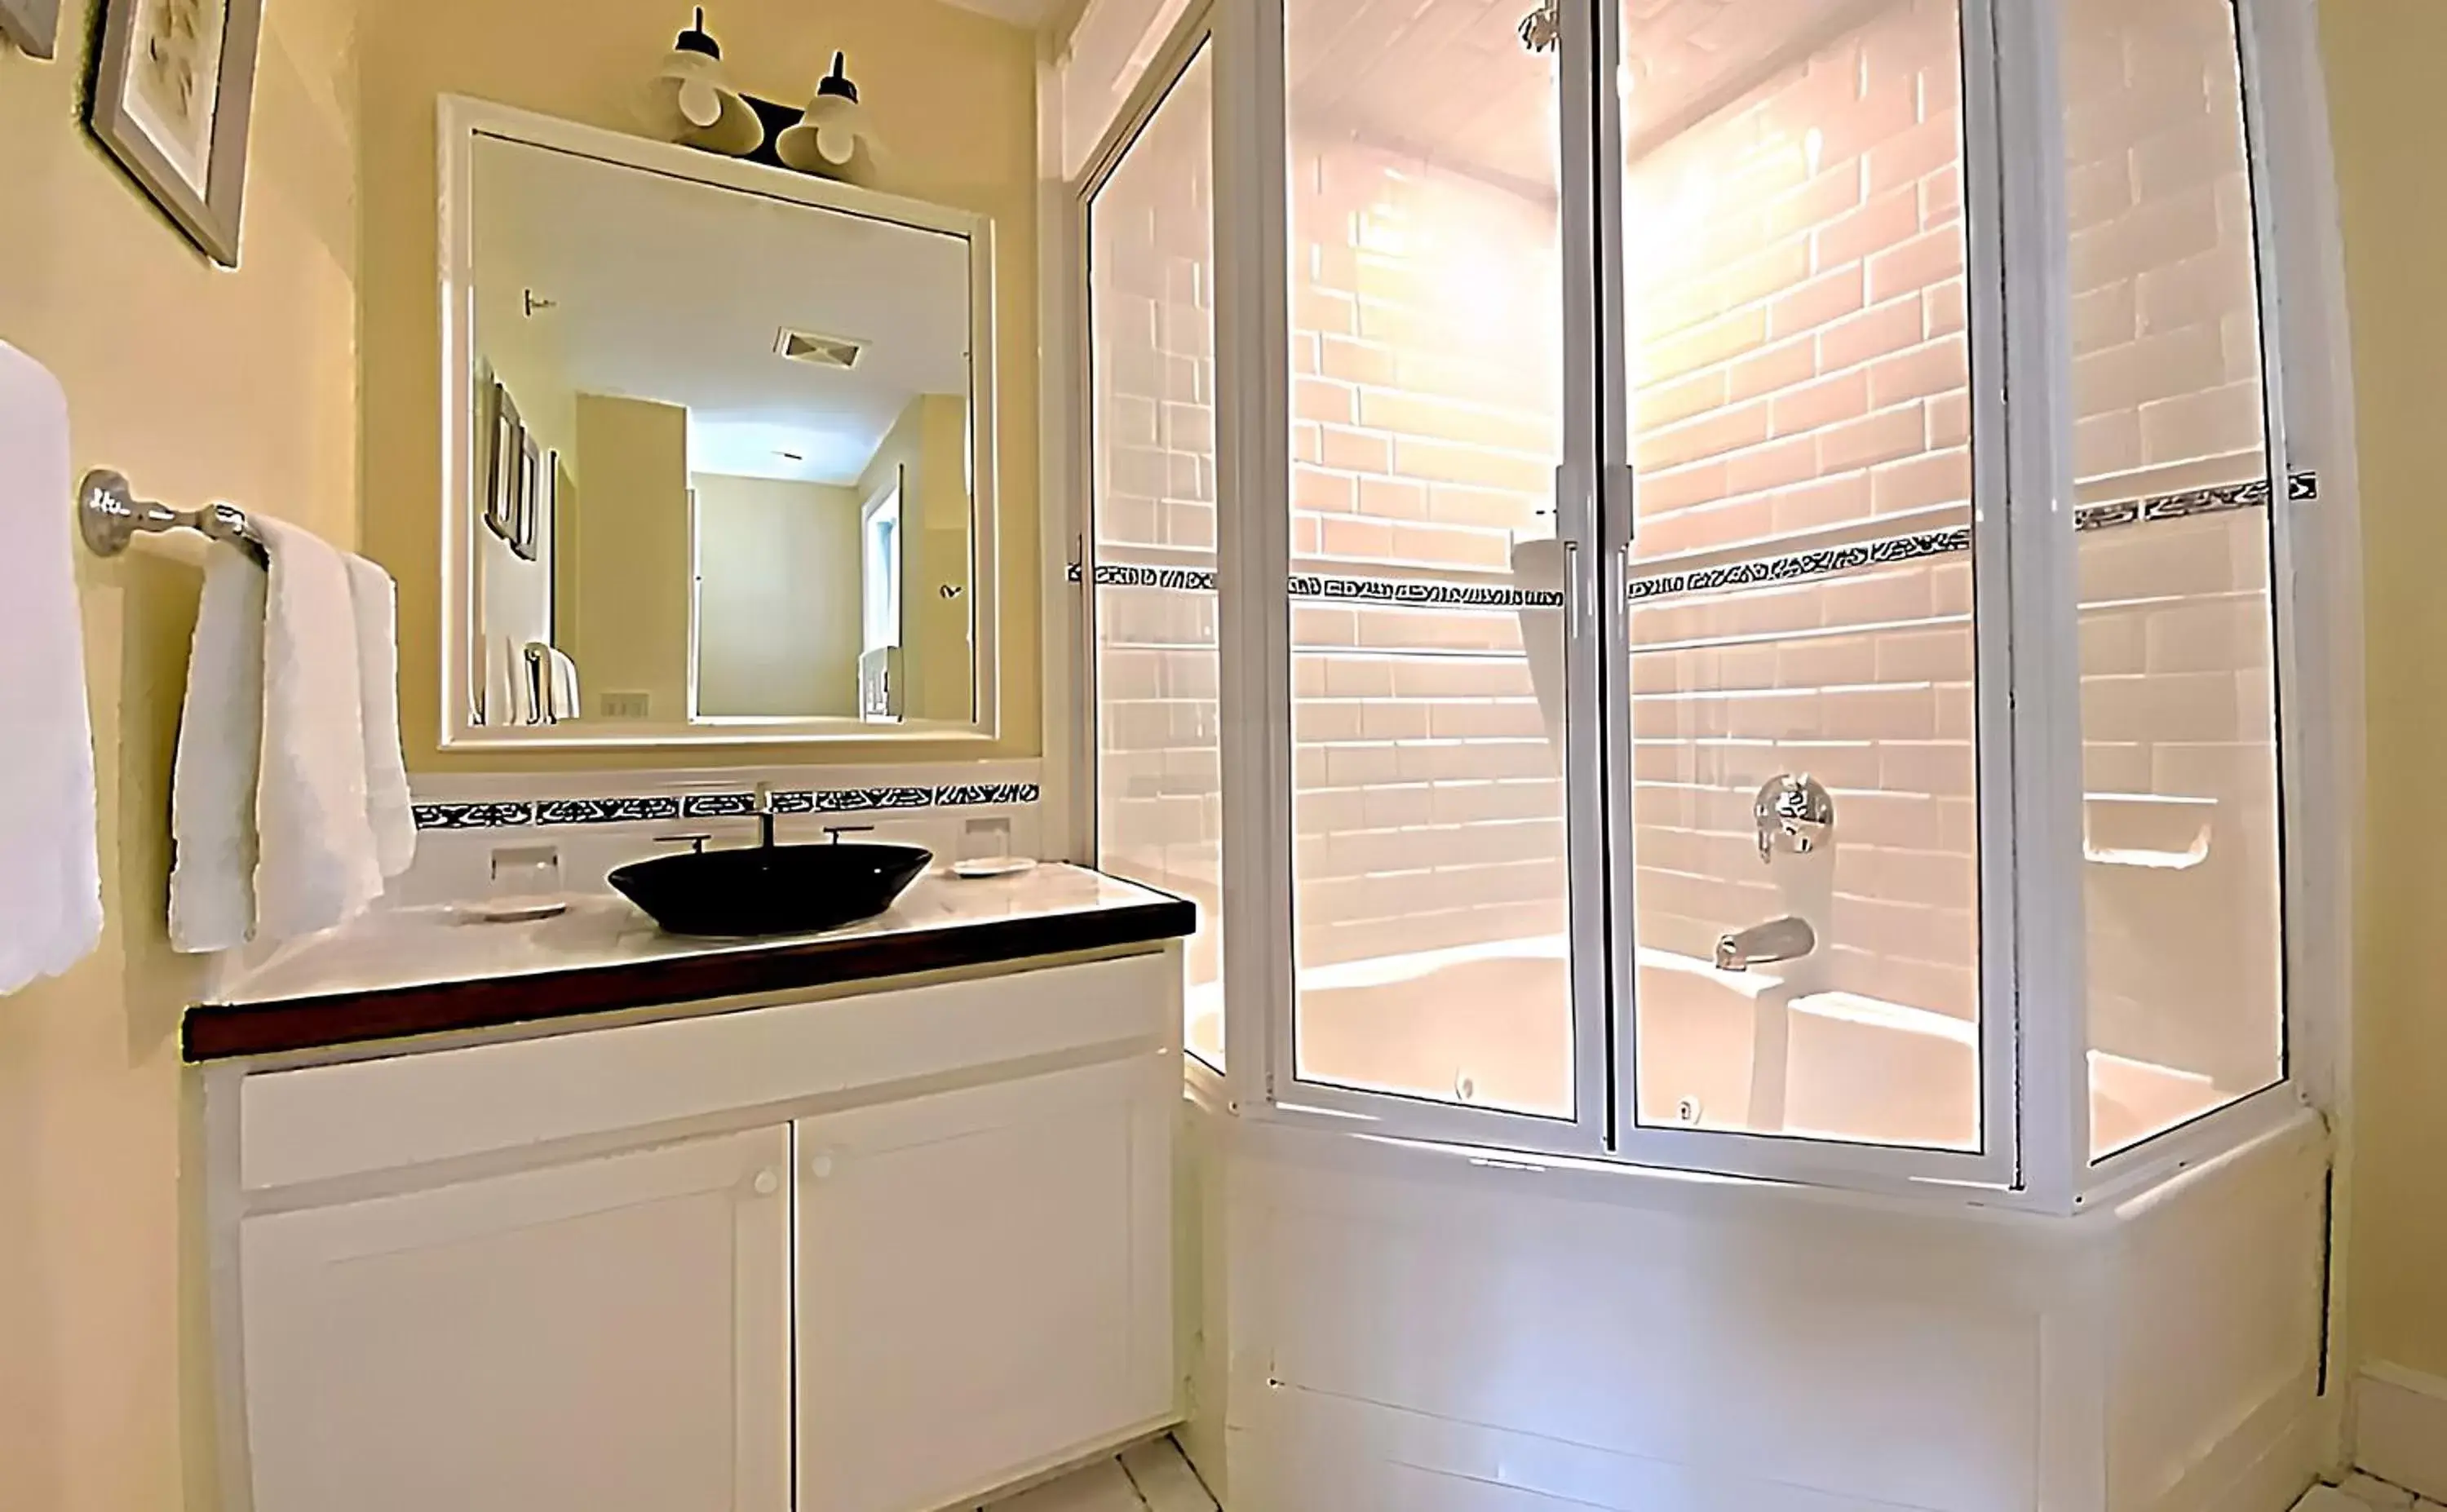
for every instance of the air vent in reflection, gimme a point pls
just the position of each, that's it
(819, 351)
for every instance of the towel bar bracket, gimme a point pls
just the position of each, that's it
(109, 515)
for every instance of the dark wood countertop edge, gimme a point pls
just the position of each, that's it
(216, 1031)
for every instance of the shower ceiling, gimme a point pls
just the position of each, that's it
(1363, 65)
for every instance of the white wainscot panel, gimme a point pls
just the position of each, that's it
(1412, 1334)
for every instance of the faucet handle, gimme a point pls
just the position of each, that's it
(836, 831)
(1794, 814)
(763, 802)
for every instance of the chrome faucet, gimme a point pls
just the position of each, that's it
(1783, 939)
(765, 815)
(1794, 817)
(1794, 814)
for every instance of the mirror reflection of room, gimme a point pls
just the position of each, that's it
(723, 453)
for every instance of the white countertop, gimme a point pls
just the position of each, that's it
(400, 949)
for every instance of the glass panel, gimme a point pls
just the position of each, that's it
(1426, 273)
(1795, 253)
(1151, 311)
(2182, 885)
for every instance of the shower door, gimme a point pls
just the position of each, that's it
(1806, 700)
(1446, 890)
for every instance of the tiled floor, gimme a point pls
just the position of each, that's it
(2363, 1494)
(1151, 1477)
(1154, 1478)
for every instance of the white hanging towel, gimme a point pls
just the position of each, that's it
(289, 774)
(319, 864)
(513, 684)
(50, 872)
(388, 809)
(557, 682)
(568, 702)
(221, 761)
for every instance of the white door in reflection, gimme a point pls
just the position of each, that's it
(880, 578)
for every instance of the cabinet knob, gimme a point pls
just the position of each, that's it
(820, 1165)
(768, 1182)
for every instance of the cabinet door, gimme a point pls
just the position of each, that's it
(985, 1285)
(608, 1334)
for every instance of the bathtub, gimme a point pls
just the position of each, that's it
(1490, 1026)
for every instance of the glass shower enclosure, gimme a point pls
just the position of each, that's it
(1705, 582)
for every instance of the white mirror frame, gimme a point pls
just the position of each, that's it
(461, 123)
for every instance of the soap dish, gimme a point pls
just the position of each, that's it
(992, 866)
(513, 910)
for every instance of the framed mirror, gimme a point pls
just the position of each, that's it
(719, 448)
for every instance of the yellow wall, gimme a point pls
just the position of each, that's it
(954, 97)
(2391, 146)
(198, 383)
(779, 628)
(631, 549)
(516, 595)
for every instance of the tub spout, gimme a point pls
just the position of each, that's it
(1784, 940)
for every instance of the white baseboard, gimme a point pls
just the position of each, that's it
(2401, 1429)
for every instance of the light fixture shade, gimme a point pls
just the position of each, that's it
(836, 138)
(689, 100)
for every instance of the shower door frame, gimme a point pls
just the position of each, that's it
(2011, 637)
(1253, 173)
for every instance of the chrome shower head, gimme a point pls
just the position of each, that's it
(1543, 31)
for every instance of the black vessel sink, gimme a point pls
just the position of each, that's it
(770, 890)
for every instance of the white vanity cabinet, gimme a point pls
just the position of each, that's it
(611, 1333)
(888, 1252)
(984, 1284)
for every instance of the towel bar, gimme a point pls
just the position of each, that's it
(109, 515)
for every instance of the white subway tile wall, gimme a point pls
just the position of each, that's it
(1793, 262)
(2183, 893)
(1151, 307)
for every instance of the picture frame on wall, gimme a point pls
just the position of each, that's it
(33, 26)
(174, 100)
(534, 479)
(504, 454)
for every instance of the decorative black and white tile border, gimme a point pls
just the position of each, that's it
(1400, 592)
(1185, 580)
(1804, 564)
(1793, 567)
(562, 811)
(1412, 593)
(1799, 566)
(2301, 489)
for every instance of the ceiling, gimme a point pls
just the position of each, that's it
(671, 290)
(1019, 12)
(1448, 82)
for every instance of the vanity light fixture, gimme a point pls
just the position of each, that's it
(690, 99)
(835, 138)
